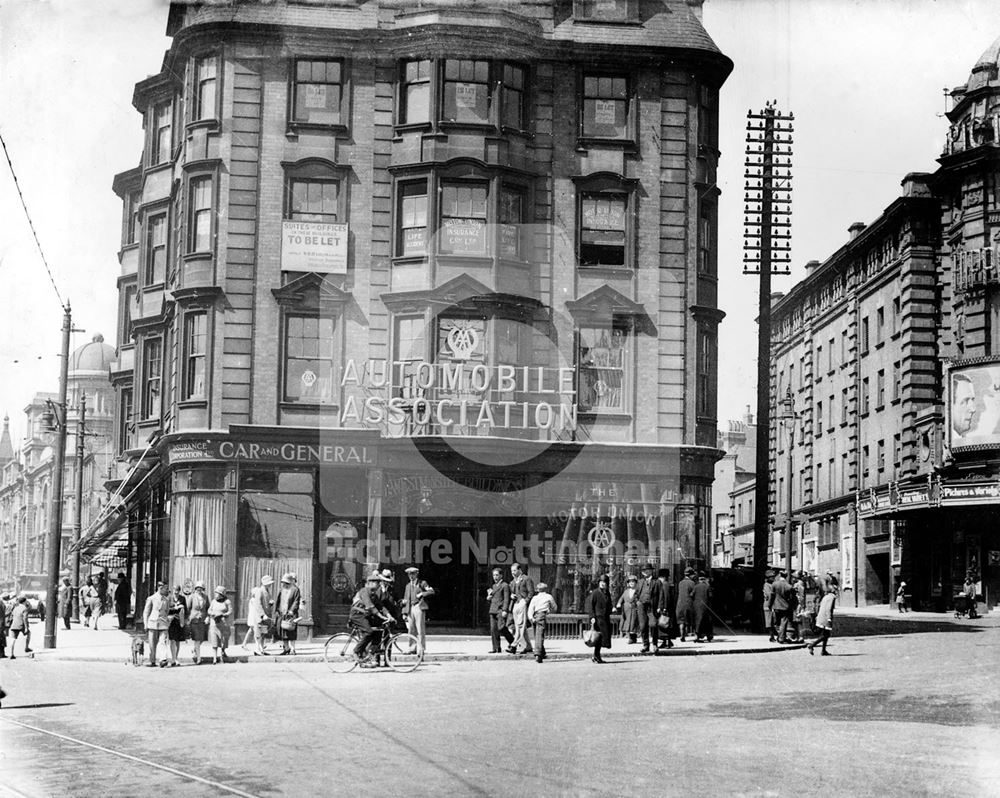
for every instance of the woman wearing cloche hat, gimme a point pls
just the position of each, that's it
(259, 610)
(286, 613)
(220, 613)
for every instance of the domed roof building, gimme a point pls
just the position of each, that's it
(93, 358)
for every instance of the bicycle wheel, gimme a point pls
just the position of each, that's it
(338, 653)
(403, 653)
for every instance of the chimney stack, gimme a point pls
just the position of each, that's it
(855, 229)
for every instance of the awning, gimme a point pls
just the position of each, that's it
(115, 515)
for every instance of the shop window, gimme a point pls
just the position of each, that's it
(196, 524)
(156, 249)
(309, 360)
(317, 92)
(152, 372)
(311, 200)
(510, 217)
(195, 353)
(416, 93)
(604, 229)
(200, 214)
(462, 226)
(161, 139)
(206, 89)
(412, 214)
(466, 91)
(602, 368)
(606, 107)
(512, 97)
(275, 516)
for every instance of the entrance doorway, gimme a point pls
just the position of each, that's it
(877, 578)
(456, 595)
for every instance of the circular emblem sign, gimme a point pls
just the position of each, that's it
(340, 583)
(601, 537)
(462, 341)
(308, 378)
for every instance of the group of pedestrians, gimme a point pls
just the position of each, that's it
(787, 611)
(96, 598)
(171, 617)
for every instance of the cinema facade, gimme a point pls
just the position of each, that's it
(426, 285)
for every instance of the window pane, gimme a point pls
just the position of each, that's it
(317, 92)
(412, 219)
(309, 360)
(602, 364)
(463, 219)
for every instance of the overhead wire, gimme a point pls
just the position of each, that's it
(31, 224)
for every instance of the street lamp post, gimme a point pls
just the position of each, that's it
(788, 418)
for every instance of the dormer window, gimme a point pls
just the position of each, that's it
(606, 10)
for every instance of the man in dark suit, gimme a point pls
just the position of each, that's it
(647, 602)
(667, 606)
(522, 590)
(498, 595)
(685, 604)
(782, 603)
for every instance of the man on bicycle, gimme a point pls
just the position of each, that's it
(368, 613)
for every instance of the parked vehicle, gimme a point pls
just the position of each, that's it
(34, 587)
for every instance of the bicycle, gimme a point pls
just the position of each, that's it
(401, 652)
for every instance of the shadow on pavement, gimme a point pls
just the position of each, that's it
(36, 706)
(863, 706)
(858, 626)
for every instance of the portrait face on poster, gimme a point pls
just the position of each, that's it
(973, 406)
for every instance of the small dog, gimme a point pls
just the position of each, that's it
(138, 650)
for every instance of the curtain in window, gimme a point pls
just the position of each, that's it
(251, 569)
(198, 520)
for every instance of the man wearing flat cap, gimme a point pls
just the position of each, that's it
(368, 613)
(415, 605)
(538, 610)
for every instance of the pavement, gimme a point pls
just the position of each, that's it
(108, 644)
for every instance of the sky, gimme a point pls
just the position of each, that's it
(863, 78)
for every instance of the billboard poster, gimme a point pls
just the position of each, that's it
(973, 414)
(314, 247)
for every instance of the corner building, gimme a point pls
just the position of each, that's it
(431, 285)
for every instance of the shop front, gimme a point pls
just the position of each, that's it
(932, 534)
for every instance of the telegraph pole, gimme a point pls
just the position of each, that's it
(56, 496)
(78, 519)
(766, 251)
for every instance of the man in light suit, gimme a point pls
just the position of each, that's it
(522, 590)
(498, 595)
(414, 605)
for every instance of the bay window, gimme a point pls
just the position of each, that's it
(510, 217)
(156, 249)
(412, 238)
(161, 135)
(466, 91)
(463, 219)
(195, 352)
(200, 214)
(416, 95)
(152, 371)
(206, 81)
